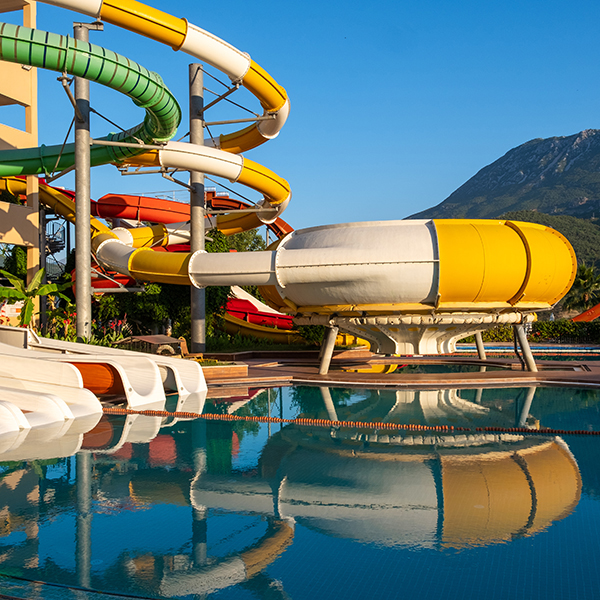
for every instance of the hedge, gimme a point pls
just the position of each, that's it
(561, 331)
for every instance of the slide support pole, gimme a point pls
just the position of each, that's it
(522, 419)
(480, 346)
(327, 349)
(83, 467)
(197, 207)
(83, 247)
(525, 347)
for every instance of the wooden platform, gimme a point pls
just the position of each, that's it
(268, 369)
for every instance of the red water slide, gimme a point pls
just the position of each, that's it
(156, 210)
(588, 315)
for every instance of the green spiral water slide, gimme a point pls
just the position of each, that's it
(63, 54)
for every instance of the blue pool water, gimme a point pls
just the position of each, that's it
(155, 508)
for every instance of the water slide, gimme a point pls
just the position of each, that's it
(406, 286)
(588, 315)
(245, 314)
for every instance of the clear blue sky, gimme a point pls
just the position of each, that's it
(395, 104)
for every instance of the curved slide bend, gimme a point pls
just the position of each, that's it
(406, 286)
(218, 157)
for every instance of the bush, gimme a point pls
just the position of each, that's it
(561, 331)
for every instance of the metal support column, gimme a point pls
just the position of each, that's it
(84, 519)
(524, 413)
(199, 513)
(83, 262)
(480, 346)
(478, 395)
(327, 349)
(197, 207)
(525, 348)
(329, 405)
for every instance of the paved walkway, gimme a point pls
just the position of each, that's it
(363, 369)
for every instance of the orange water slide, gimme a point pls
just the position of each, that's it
(588, 315)
(159, 210)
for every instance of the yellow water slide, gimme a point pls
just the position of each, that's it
(219, 156)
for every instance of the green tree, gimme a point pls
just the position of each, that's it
(585, 291)
(28, 294)
(15, 261)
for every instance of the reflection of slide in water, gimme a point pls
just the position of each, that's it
(464, 493)
(440, 491)
(406, 286)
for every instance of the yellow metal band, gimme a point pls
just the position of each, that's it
(102, 237)
(145, 20)
(148, 159)
(553, 264)
(275, 188)
(242, 140)
(236, 223)
(521, 291)
(524, 264)
(270, 94)
(154, 236)
(480, 261)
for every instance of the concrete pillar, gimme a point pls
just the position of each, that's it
(478, 395)
(35, 254)
(327, 348)
(329, 405)
(522, 420)
(480, 346)
(519, 330)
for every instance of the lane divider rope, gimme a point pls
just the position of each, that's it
(346, 424)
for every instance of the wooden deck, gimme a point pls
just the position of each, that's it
(269, 369)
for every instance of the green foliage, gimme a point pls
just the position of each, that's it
(16, 261)
(313, 334)
(247, 241)
(28, 294)
(6, 196)
(560, 331)
(557, 331)
(151, 310)
(585, 291)
(147, 311)
(61, 321)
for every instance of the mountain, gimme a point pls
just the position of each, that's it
(556, 176)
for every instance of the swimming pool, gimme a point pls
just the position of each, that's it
(157, 507)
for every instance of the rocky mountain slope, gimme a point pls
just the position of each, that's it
(557, 176)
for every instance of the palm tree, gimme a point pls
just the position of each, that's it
(28, 294)
(585, 291)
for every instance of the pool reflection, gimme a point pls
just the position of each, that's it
(155, 506)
